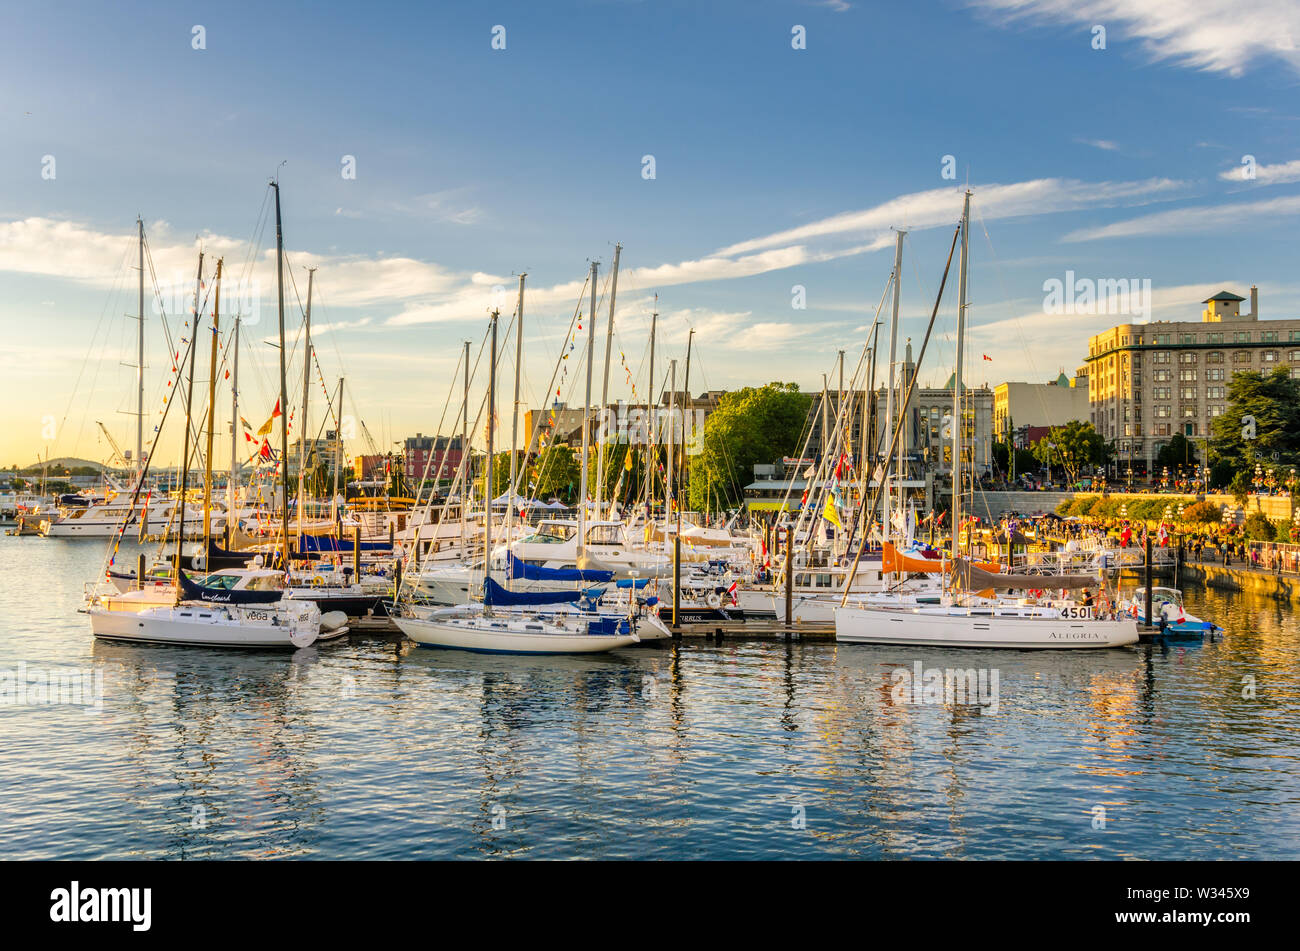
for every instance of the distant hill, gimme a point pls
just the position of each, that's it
(65, 462)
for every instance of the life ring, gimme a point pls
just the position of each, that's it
(713, 600)
(317, 581)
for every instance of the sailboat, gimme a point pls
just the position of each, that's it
(503, 623)
(247, 619)
(964, 618)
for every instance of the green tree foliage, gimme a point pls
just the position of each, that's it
(1179, 451)
(616, 456)
(1273, 399)
(1258, 528)
(500, 476)
(1073, 446)
(1203, 513)
(752, 425)
(555, 474)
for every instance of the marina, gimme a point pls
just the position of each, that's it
(446, 450)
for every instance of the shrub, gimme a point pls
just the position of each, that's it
(1258, 528)
(1203, 513)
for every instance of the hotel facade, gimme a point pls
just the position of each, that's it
(1147, 382)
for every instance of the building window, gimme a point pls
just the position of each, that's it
(1160, 392)
(1162, 340)
(1162, 429)
(1214, 338)
(1163, 376)
(1187, 358)
(1216, 411)
(1215, 356)
(1187, 338)
(1241, 356)
(1270, 356)
(1216, 392)
(1187, 376)
(1214, 373)
(1294, 355)
(1163, 412)
(1189, 412)
(1187, 393)
(1161, 357)
(1241, 336)
(1268, 336)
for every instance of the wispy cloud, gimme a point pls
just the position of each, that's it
(1224, 36)
(941, 206)
(1265, 174)
(1200, 219)
(1106, 145)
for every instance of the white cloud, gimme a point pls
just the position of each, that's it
(1266, 174)
(1106, 145)
(1217, 218)
(1224, 36)
(942, 206)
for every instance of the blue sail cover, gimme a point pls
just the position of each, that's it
(522, 569)
(321, 543)
(493, 593)
(192, 591)
(631, 582)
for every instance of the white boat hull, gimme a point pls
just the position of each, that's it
(201, 625)
(932, 628)
(469, 636)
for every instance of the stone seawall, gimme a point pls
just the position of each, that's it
(1282, 587)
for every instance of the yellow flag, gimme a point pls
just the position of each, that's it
(830, 514)
(627, 460)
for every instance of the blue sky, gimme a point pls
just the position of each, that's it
(773, 167)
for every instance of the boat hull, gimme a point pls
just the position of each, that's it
(859, 625)
(195, 626)
(452, 636)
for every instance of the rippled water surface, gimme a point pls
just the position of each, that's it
(373, 748)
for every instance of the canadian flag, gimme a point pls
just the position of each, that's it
(732, 592)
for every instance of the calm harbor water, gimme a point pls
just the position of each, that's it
(376, 749)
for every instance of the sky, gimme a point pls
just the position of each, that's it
(754, 160)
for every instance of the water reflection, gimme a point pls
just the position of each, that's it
(374, 748)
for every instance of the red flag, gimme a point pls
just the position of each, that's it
(988, 358)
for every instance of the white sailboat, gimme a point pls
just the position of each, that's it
(480, 628)
(246, 620)
(962, 621)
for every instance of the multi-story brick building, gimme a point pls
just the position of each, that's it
(1147, 382)
(426, 453)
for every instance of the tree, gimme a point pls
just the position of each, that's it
(751, 425)
(555, 473)
(1272, 401)
(500, 476)
(1258, 528)
(1179, 451)
(1073, 446)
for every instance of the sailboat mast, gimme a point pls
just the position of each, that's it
(885, 522)
(306, 379)
(185, 438)
(586, 417)
(338, 455)
(651, 429)
(487, 482)
(604, 388)
(233, 483)
(212, 409)
(464, 454)
(963, 268)
(284, 391)
(672, 438)
(514, 418)
(139, 363)
(686, 395)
